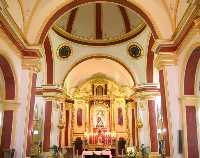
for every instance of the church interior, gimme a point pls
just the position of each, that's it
(100, 79)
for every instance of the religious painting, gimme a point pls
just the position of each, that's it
(120, 116)
(79, 116)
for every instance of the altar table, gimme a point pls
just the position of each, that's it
(103, 153)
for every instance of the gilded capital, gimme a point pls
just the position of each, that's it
(31, 63)
(9, 104)
(189, 100)
(165, 59)
(146, 91)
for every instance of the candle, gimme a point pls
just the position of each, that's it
(122, 152)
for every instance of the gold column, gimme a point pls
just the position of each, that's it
(112, 115)
(87, 116)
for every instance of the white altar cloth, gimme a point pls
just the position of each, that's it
(104, 152)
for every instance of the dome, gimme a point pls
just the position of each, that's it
(99, 24)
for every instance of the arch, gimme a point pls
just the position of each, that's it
(49, 61)
(8, 78)
(36, 33)
(190, 72)
(101, 57)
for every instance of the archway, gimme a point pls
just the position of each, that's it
(189, 107)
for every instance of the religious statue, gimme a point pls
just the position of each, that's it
(100, 119)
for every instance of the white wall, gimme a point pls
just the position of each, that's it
(119, 51)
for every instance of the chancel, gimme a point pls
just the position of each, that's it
(99, 79)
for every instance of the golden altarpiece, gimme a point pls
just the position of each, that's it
(99, 115)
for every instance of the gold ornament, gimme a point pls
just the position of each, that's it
(60, 124)
(139, 123)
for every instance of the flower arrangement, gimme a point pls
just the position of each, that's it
(131, 152)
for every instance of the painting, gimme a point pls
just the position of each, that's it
(79, 116)
(120, 116)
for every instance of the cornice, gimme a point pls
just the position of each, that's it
(31, 63)
(53, 92)
(146, 91)
(165, 59)
(184, 26)
(13, 32)
(190, 100)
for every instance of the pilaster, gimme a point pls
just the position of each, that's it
(189, 104)
(30, 68)
(147, 93)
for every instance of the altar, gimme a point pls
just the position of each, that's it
(104, 153)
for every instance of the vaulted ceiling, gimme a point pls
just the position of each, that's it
(103, 23)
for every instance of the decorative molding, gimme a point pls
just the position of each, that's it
(146, 91)
(9, 104)
(53, 92)
(99, 42)
(188, 100)
(185, 25)
(30, 63)
(165, 59)
(14, 33)
(3, 5)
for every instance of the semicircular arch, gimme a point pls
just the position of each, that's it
(129, 77)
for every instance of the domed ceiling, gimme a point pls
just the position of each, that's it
(99, 24)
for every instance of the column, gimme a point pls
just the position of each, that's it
(31, 113)
(9, 108)
(24, 114)
(142, 117)
(53, 95)
(171, 109)
(153, 126)
(189, 107)
(47, 125)
(146, 94)
(67, 129)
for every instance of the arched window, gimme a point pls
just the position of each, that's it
(79, 117)
(120, 116)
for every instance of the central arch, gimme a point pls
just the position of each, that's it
(131, 77)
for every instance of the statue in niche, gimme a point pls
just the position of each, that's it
(120, 116)
(100, 118)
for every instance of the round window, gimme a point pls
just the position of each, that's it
(135, 51)
(64, 51)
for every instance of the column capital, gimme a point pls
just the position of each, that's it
(190, 100)
(146, 91)
(9, 104)
(31, 63)
(165, 59)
